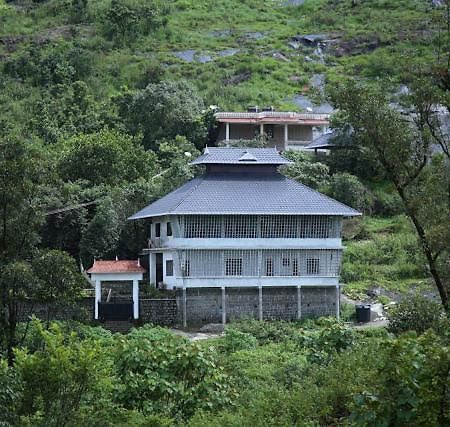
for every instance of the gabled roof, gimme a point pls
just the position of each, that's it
(239, 156)
(132, 266)
(244, 194)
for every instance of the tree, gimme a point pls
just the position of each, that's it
(58, 279)
(349, 189)
(163, 110)
(306, 170)
(402, 148)
(101, 237)
(105, 158)
(17, 285)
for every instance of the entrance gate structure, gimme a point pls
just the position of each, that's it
(116, 271)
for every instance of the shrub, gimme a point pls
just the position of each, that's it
(11, 389)
(62, 376)
(306, 170)
(235, 340)
(415, 313)
(349, 190)
(166, 374)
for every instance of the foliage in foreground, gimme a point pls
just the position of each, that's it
(259, 373)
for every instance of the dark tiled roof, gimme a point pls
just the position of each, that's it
(116, 267)
(239, 156)
(323, 141)
(245, 194)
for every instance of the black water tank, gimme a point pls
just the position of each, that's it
(363, 313)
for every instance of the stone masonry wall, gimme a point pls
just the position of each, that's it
(162, 312)
(204, 305)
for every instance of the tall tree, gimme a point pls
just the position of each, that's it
(403, 147)
(164, 110)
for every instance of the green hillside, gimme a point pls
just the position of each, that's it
(235, 52)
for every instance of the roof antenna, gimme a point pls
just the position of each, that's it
(206, 150)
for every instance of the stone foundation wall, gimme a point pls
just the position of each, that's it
(162, 312)
(204, 305)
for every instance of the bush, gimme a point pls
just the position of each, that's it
(415, 313)
(166, 374)
(349, 190)
(11, 389)
(306, 170)
(62, 377)
(235, 340)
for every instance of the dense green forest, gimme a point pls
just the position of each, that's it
(102, 107)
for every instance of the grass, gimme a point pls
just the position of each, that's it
(399, 25)
(383, 254)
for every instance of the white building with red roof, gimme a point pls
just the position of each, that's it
(116, 271)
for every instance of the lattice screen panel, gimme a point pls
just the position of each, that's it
(267, 226)
(254, 263)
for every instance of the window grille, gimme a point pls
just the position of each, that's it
(233, 267)
(169, 229)
(312, 266)
(158, 229)
(265, 226)
(251, 263)
(241, 226)
(169, 267)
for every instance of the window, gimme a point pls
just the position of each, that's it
(295, 270)
(312, 266)
(233, 267)
(269, 267)
(169, 267)
(285, 262)
(158, 229)
(169, 229)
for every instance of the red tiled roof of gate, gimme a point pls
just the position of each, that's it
(131, 266)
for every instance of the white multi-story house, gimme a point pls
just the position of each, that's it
(242, 240)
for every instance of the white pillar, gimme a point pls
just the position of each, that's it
(227, 131)
(98, 297)
(135, 299)
(338, 302)
(299, 302)
(260, 305)
(184, 308)
(224, 309)
(261, 129)
(286, 136)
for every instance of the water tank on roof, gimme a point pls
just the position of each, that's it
(253, 109)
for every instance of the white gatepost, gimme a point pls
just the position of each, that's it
(135, 299)
(98, 297)
(227, 131)
(261, 129)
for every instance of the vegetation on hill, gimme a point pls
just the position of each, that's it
(102, 107)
